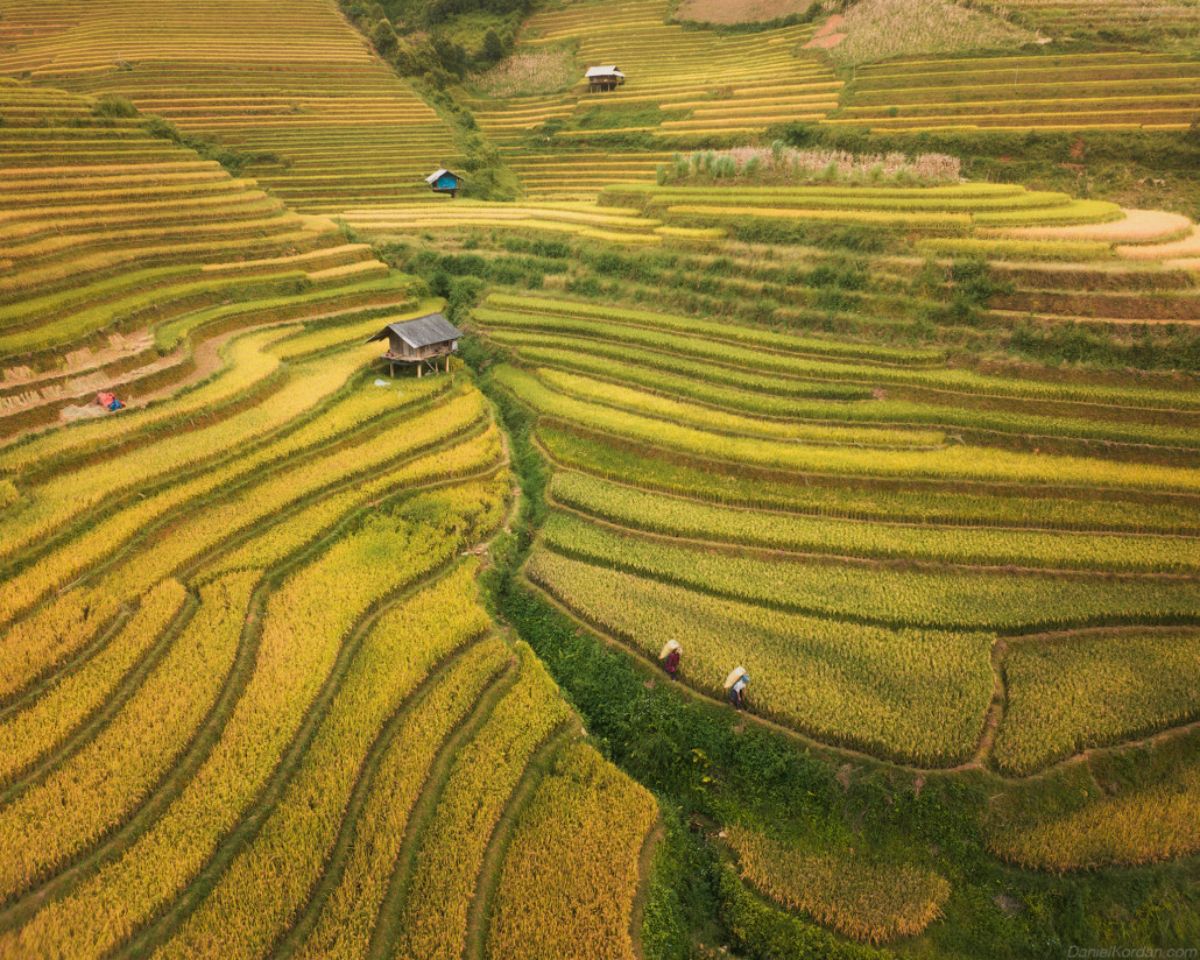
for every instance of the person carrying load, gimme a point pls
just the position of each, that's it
(109, 401)
(735, 687)
(669, 657)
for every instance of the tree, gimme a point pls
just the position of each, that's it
(383, 35)
(493, 46)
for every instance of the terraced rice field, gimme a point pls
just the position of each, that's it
(1070, 259)
(935, 566)
(1061, 259)
(252, 697)
(680, 513)
(747, 83)
(556, 174)
(121, 248)
(241, 633)
(956, 208)
(330, 123)
(1121, 89)
(876, 902)
(1137, 19)
(565, 217)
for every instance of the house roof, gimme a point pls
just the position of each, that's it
(426, 330)
(608, 71)
(438, 173)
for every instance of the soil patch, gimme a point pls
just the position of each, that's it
(825, 42)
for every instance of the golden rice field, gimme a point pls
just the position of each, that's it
(300, 659)
(1136, 19)
(920, 562)
(122, 248)
(242, 633)
(875, 902)
(873, 30)
(278, 657)
(1103, 90)
(327, 124)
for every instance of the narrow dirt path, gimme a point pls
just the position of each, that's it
(997, 707)
(1137, 226)
(637, 914)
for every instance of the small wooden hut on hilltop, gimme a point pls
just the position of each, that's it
(444, 181)
(604, 78)
(420, 342)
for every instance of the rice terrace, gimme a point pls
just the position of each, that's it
(581, 480)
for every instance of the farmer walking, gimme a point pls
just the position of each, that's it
(669, 657)
(735, 687)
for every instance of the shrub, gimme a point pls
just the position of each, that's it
(383, 36)
(111, 105)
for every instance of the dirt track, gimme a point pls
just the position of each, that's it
(1139, 226)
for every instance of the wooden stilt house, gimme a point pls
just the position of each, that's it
(604, 78)
(421, 342)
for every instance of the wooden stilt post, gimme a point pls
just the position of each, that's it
(418, 371)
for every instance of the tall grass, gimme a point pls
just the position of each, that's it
(879, 29)
(544, 70)
(782, 164)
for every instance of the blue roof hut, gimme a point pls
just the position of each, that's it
(444, 181)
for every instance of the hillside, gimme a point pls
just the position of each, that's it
(854, 346)
(191, 684)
